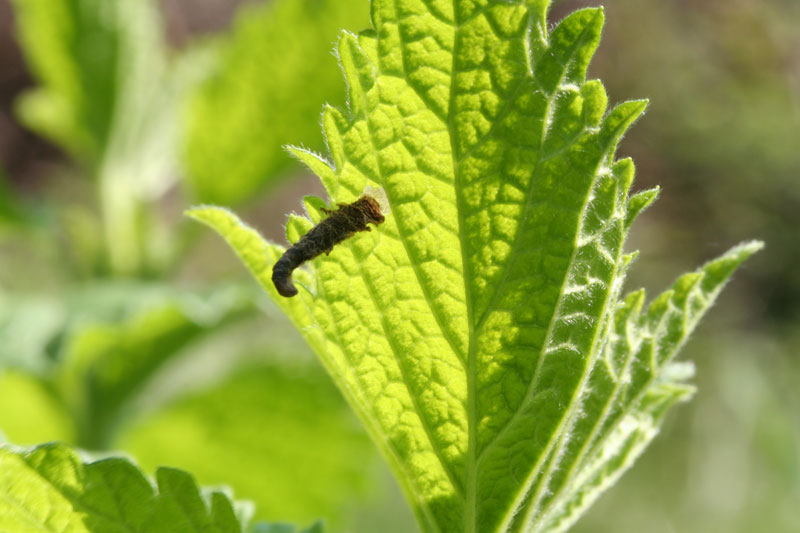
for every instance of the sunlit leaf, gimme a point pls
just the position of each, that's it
(50, 488)
(480, 332)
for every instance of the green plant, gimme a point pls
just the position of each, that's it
(101, 335)
(481, 332)
(65, 493)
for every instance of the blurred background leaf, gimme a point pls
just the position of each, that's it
(74, 49)
(280, 527)
(90, 353)
(108, 95)
(105, 365)
(271, 425)
(282, 435)
(9, 213)
(274, 73)
(29, 411)
(97, 348)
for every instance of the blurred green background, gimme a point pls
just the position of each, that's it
(125, 327)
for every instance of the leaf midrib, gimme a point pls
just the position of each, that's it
(473, 458)
(374, 426)
(470, 514)
(515, 246)
(446, 465)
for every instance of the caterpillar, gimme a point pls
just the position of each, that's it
(340, 224)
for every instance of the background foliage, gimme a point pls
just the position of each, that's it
(720, 138)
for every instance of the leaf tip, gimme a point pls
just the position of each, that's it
(639, 202)
(204, 213)
(735, 256)
(747, 248)
(599, 12)
(639, 106)
(719, 270)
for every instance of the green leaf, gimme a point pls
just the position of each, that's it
(74, 49)
(94, 349)
(11, 214)
(273, 71)
(109, 95)
(29, 411)
(479, 332)
(634, 385)
(281, 527)
(268, 420)
(50, 488)
(106, 365)
(30, 326)
(93, 60)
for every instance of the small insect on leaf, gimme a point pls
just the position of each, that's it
(341, 224)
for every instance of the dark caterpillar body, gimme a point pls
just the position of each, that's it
(340, 225)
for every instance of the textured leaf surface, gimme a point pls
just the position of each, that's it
(480, 332)
(50, 488)
(272, 74)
